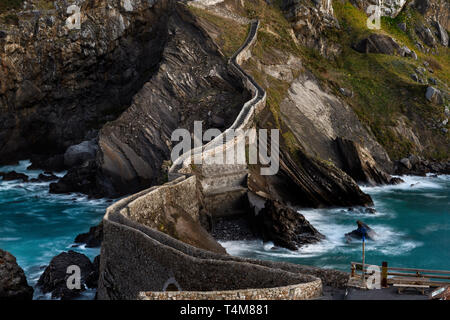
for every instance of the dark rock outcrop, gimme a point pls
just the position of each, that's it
(358, 233)
(425, 34)
(92, 278)
(83, 78)
(93, 238)
(78, 154)
(54, 279)
(415, 165)
(13, 283)
(81, 179)
(284, 226)
(308, 182)
(359, 164)
(192, 82)
(13, 175)
(378, 43)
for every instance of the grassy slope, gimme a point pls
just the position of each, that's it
(384, 90)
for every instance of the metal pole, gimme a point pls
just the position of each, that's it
(363, 261)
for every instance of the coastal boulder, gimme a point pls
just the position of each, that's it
(13, 175)
(358, 233)
(55, 277)
(284, 226)
(13, 283)
(93, 238)
(78, 154)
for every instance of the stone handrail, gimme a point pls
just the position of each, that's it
(250, 108)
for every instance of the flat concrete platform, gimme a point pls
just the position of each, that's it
(390, 293)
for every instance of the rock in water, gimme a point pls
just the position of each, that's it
(13, 283)
(78, 154)
(284, 226)
(358, 233)
(10, 176)
(93, 238)
(54, 279)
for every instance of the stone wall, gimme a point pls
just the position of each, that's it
(142, 253)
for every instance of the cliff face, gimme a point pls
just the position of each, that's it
(59, 86)
(192, 83)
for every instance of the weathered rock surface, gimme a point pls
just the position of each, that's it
(415, 165)
(54, 279)
(93, 238)
(442, 34)
(307, 182)
(434, 95)
(390, 8)
(425, 34)
(284, 226)
(358, 233)
(81, 179)
(360, 165)
(435, 10)
(310, 22)
(13, 283)
(78, 154)
(317, 117)
(378, 43)
(13, 175)
(83, 78)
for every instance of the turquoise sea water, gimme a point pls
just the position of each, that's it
(35, 225)
(412, 223)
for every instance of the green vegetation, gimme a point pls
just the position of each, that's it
(231, 34)
(384, 93)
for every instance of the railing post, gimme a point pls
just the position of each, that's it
(384, 273)
(353, 270)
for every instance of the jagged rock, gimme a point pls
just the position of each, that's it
(54, 279)
(45, 178)
(359, 164)
(93, 238)
(78, 154)
(414, 55)
(92, 278)
(79, 179)
(406, 163)
(133, 147)
(307, 182)
(82, 80)
(13, 175)
(425, 35)
(442, 33)
(437, 10)
(378, 43)
(402, 26)
(358, 233)
(434, 95)
(13, 283)
(415, 77)
(284, 226)
(55, 163)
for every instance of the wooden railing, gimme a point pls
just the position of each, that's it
(440, 277)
